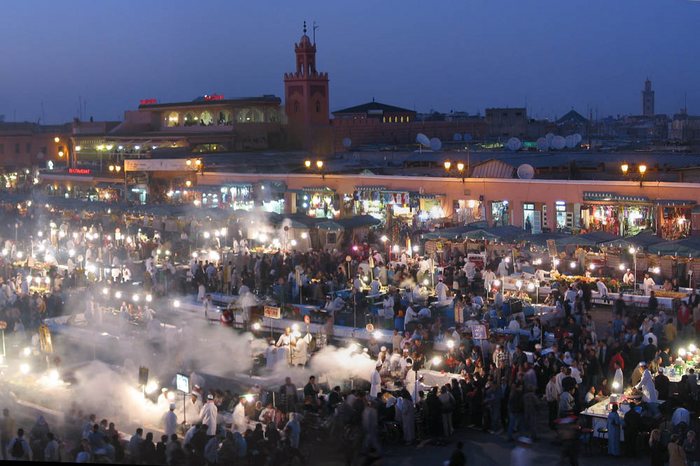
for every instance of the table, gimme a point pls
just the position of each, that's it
(599, 415)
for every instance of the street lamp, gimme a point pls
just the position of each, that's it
(625, 168)
(642, 171)
(459, 165)
(319, 167)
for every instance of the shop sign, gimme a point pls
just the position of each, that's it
(80, 171)
(479, 332)
(148, 101)
(272, 312)
(158, 165)
(213, 97)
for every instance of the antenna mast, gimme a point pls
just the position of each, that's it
(314, 27)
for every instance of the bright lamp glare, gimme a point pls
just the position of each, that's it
(151, 386)
(256, 326)
(176, 303)
(436, 360)
(450, 344)
(682, 352)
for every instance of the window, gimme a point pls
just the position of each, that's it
(383, 119)
(408, 119)
(318, 107)
(190, 119)
(296, 107)
(17, 148)
(28, 147)
(401, 119)
(173, 119)
(206, 118)
(2, 148)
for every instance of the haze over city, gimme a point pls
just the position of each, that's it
(463, 56)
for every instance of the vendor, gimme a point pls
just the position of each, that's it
(628, 278)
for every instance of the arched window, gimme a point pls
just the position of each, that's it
(173, 119)
(206, 118)
(318, 107)
(296, 107)
(190, 119)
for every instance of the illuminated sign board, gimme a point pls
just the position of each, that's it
(148, 101)
(158, 165)
(214, 97)
(80, 171)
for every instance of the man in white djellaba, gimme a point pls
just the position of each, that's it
(209, 414)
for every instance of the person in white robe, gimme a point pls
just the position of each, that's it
(300, 354)
(193, 407)
(209, 415)
(240, 421)
(646, 384)
(408, 419)
(375, 381)
(170, 421)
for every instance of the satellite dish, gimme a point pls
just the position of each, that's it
(526, 172)
(558, 142)
(423, 139)
(467, 137)
(570, 141)
(435, 144)
(514, 144)
(577, 138)
(457, 137)
(347, 142)
(542, 145)
(549, 137)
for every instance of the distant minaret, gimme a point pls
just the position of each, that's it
(647, 100)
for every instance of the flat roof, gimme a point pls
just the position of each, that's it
(264, 99)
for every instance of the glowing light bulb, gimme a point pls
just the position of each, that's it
(176, 303)
(450, 344)
(436, 360)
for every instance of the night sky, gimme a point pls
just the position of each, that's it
(461, 55)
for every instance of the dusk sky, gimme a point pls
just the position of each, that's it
(446, 55)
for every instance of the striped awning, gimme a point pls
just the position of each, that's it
(601, 196)
(674, 202)
(370, 188)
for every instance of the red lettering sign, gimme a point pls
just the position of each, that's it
(80, 171)
(148, 101)
(214, 97)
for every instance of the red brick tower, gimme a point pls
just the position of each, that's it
(306, 93)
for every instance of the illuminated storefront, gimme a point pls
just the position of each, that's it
(376, 200)
(616, 214)
(499, 213)
(674, 218)
(468, 211)
(317, 202)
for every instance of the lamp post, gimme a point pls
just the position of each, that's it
(633, 251)
(642, 172)
(319, 166)
(459, 166)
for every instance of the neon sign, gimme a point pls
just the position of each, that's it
(148, 101)
(80, 171)
(214, 97)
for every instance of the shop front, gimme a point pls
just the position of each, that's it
(675, 218)
(616, 214)
(532, 217)
(500, 213)
(468, 211)
(320, 202)
(378, 202)
(430, 207)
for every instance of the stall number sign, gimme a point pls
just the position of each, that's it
(479, 332)
(182, 383)
(272, 312)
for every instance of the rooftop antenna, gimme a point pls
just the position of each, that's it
(314, 27)
(304, 27)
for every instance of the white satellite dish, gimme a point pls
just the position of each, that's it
(577, 138)
(423, 139)
(570, 141)
(542, 145)
(558, 142)
(457, 137)
(526, 171)
(347, 142)
(514, 144)
(435, 144)
(549, 137)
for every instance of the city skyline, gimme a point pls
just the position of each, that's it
(545, 55)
